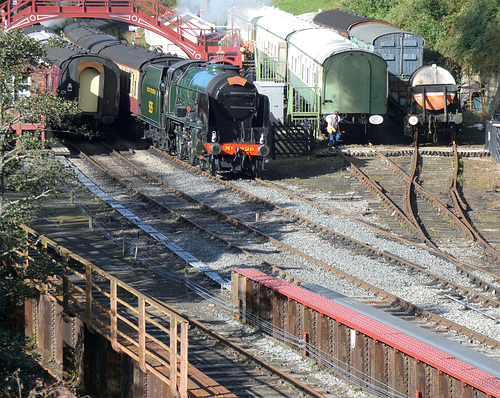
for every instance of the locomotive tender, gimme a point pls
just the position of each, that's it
(204, 112)
(90, 79)
(322, 71)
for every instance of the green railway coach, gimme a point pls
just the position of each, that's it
(322, 70)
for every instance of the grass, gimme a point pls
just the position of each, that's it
(301, 6)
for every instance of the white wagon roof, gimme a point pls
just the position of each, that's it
(41, 35)
(319, 43)
(282, 23)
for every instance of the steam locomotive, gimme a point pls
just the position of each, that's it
(206, 113)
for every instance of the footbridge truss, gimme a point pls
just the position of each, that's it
(197, 42)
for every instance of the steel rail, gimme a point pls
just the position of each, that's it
(460, 206)
(160, 306)
(104, 320)
(410, 203)
(378, 191)
(462, 267)
(413, 184)
(444, 282)
(459, 220)
(175, 214)
(296, 383)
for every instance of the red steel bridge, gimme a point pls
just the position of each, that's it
(197, 42)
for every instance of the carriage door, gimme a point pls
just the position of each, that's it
(412, 55)
(355, 78)
(282, 62)
(90, 90)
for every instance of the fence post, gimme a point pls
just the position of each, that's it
(173, 354)
(65, 282)
(113, 315)
(88, 296)
(184, 360)
(142, 334)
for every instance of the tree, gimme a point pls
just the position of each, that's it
(475, 36)
(27, 175)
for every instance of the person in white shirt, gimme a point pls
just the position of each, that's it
(333, 128)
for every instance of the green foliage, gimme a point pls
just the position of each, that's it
(475, 35)
(168, 3)
(300, 6)
(27, 171)
(372, 8)
(16, 383)
(27, 175)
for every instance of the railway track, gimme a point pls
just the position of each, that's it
(432, 207)
(403, 305)
(215, 345)
(244, 380)
(479, 188)
(442, 193)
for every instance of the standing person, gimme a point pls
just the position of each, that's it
(333, 124)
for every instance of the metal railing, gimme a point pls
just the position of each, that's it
(270, 70)
(135, 324)
(198, 42)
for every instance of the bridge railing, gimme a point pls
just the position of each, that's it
(197, 41)
(136, 324)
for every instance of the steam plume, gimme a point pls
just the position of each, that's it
(216, 10)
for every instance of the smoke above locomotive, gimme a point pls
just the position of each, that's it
(215, 11)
